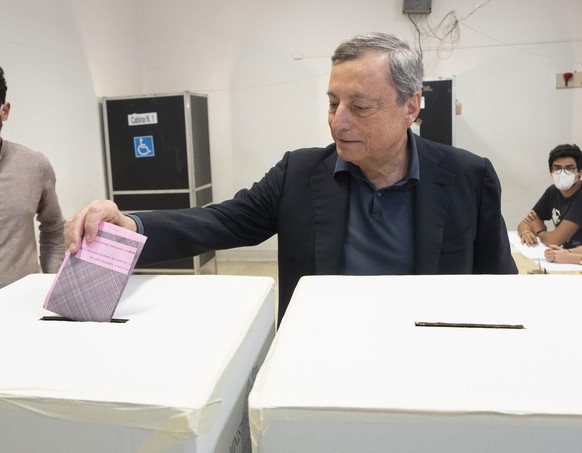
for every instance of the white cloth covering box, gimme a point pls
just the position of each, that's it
(350, 371)
(174, 378)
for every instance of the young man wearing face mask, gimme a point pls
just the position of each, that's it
(561, 203)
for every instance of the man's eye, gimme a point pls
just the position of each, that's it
(362, 108)
(332, 105)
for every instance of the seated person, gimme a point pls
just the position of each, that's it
(561, 203)
(556, 254)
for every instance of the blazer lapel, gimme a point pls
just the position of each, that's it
(432, 198)
(329, 202)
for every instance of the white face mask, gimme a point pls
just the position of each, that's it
(562, 181)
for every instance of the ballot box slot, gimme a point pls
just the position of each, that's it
(62, 318)
(468, 325)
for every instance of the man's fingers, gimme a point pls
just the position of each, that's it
(91, 224)
(74, 228)
(85, 223)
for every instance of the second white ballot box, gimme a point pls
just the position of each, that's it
(171, 373)
(410, 364)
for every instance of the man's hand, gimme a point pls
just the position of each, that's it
(556, 254)
(529, 238)
(86, 221)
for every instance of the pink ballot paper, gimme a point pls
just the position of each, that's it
(90, 283)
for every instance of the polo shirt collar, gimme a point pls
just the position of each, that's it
(411, 178)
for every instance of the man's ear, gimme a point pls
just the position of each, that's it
(5, 111)
(413, 107)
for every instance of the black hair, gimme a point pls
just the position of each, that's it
(566, 151)
(3, 87)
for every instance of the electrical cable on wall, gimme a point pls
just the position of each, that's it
(520, 46)
(447, 31)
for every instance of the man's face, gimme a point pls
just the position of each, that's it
(4, 110)
(565, 167)
(567, 164)
(366, 121)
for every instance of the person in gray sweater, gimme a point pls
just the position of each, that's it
(27, 189)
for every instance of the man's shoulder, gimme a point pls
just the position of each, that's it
(446, 150)
(553, 195)
(25, 161)
(21, 152)
(314, 158)
(447, 155)
(314, 154)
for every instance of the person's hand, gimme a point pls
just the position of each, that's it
(529, 238)
(556, 254)
(86, 221)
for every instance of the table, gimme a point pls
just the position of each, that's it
(350, 371)
(174, 377)
(537, 261)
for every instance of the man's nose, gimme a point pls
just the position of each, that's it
(341, 119)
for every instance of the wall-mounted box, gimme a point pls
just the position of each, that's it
(569, 80)
(417, 6)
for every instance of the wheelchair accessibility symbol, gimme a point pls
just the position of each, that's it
(144, 146)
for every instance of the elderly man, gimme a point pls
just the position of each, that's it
(379, 200)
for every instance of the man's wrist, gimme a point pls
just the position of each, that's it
(135, 222)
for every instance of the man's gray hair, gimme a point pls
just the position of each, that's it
(404, 64)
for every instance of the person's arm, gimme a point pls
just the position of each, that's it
(51, 224)
(567, 227)
(555, 254)
(85, 222)
(526, 233)
(492, 251)
(247, 219)
(560, 235)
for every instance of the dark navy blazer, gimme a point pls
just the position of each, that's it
(459, 228)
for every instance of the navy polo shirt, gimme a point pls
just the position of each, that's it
(380, 223)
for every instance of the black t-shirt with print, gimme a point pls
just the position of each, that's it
(555, 207)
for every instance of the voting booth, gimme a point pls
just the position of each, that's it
(157, 150)
(411, 364)
(171, 374)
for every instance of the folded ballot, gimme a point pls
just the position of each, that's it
(90, 282)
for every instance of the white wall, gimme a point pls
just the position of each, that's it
(61, 56)
(505, 70)
(53, 53)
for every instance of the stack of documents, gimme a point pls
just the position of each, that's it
(537, 254)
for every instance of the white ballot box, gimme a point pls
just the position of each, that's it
(455, 364)
(174, 377)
